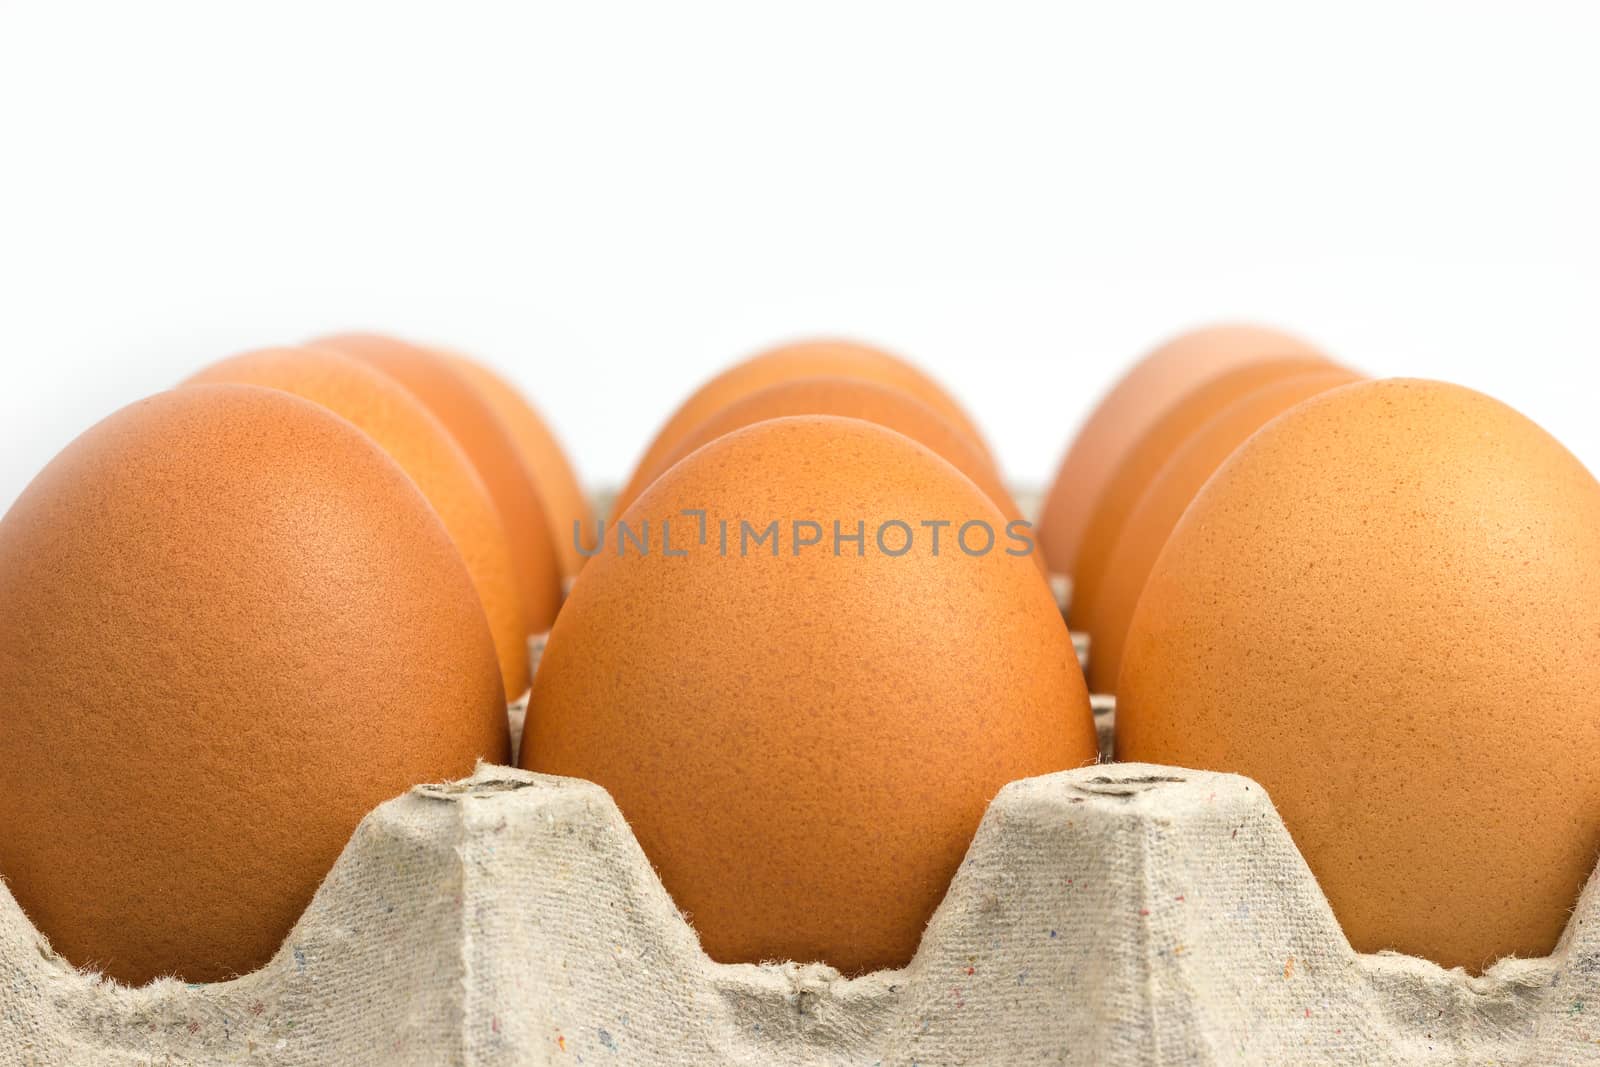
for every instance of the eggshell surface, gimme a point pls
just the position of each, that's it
(803, 359)
(232, 627)
(565, 503)
(805, 742)
(403, 427)
(1385, 608)
(1143, 462)
(851, 398)
(433, 379)
(1149, 524)
(1134, 404)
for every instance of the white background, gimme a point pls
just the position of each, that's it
(611, 202)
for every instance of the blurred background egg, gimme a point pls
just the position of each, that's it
(804, 742)
(565, 504)
(232, 627)
(1385, 608)
(803, 359)
(402, 426)
(1134, 405)
(1145, 531)
(436, 381)
(1144, 458)
(858, 399)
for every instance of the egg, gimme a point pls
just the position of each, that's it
(1148, 525)
(804, 359)
(399, 423)
(1143, 461)
(802, 735)
(1385, 608)
(572, 521)
(857, 399)
(232, 627)
(1131, 408)
(433, 379)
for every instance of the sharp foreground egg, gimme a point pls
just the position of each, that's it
(232, 626)
(804, 359)
(1385, 608)
(804, 732)
(386, 411)
(1131, 409)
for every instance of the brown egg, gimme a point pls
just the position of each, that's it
(385, 411)
(232, 627)
(1151, 521)
(804, 359)
(565, 504)
(1384, 607)
(433, 379)
(1143, 461)
(805, 743)
(1127, 413)
(856, 399)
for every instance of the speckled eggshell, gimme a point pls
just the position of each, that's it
(232, 627)
(804, 745)
(565, 503)
(852, 398)
(1385, 608)
(803, 359)
(1149, 524)
(1143, 462)
(434, 379)
(1129, 410)
(403, 427)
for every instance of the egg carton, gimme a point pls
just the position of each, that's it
(1114, 914)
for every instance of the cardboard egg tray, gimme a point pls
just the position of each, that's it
(1115, 914)
(1123, 914)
